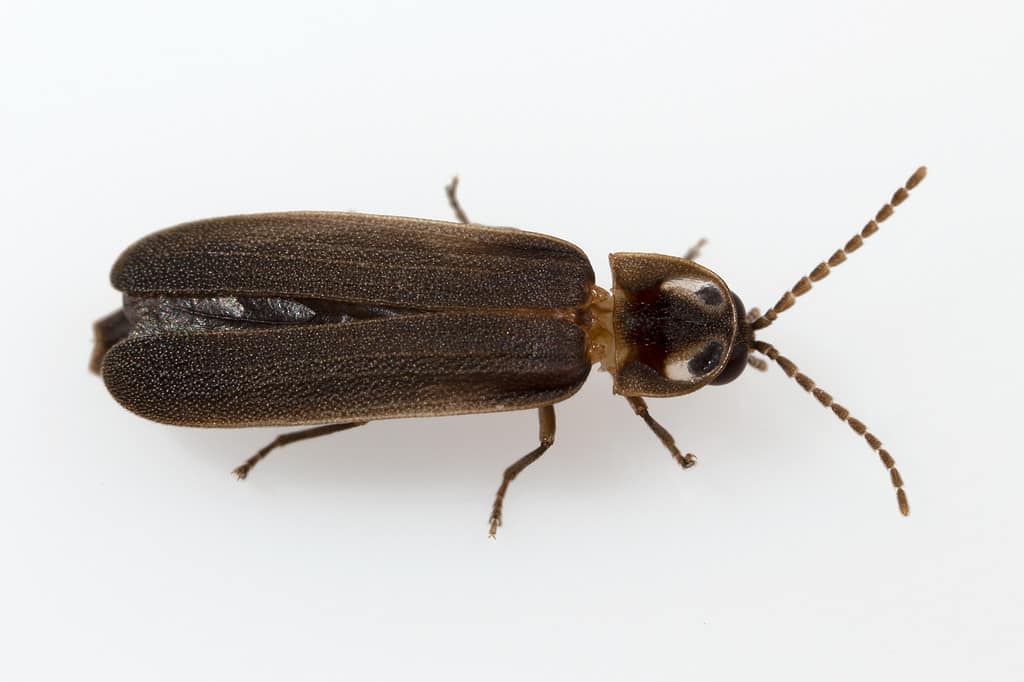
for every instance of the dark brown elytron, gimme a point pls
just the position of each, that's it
(333, 320)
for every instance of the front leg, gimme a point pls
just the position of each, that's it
(640, 407)
(694, 252)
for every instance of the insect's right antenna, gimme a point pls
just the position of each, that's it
(843, 414)
(820, 272)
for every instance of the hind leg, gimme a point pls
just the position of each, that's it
(286, 438)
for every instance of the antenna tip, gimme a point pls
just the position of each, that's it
(917, 177)
(901, 497)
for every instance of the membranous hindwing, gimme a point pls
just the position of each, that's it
(675, 324)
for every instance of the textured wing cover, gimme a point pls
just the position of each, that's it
(354, 257)
(409, 366)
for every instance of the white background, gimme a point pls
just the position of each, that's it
(773, 129)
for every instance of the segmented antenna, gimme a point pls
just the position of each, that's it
(844, 415)
(821, 272)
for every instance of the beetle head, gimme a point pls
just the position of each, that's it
(677, 326)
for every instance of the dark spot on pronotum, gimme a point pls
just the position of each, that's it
(706, 360)
(710, 295)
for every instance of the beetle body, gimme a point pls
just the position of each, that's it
(288, 319)
(311, 318)
(337, 319)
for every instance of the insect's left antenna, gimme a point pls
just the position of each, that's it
(843, 414)
(820, 272)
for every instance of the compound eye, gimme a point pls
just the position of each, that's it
(734, 366)
(691, 366)
(737, 361)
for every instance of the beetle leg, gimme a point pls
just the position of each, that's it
(640, 407)
(694, 252)
(547, 437)
(450, 190)
(286, 438)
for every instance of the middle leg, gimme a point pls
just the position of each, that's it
(453, 200)
(547, 438)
